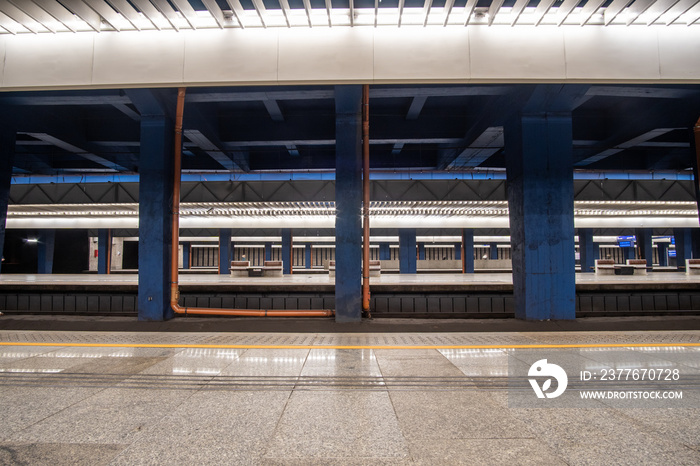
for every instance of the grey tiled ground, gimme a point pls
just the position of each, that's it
(322, 406)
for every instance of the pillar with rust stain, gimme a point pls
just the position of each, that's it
(348, 201)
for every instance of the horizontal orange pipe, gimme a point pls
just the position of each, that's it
(174, 279)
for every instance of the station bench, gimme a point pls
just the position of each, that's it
(240, 268)
(640, 266)
(692, 266)
(272, 269)
(605, 267)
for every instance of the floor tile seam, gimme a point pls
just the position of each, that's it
(396, 414)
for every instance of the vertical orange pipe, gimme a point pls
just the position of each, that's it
(109, 251)
(365, 199)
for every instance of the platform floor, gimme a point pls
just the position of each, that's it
(313, 398)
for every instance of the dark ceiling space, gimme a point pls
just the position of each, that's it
(427, 127)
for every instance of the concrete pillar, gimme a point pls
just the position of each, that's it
(421, 251)
(45, 250)
(104, 251)
(586, 249)
(287, 250)
(407, 250)
(644, 244)
(384, 251)
(348, 202)
(186, 251)
(539, 165)
(683, 240)
(493, 251)
(268, 251)
(468, 253)
(155, 230)
(7, 157)
(225, 251)
(663, 254)
(307, 255)
(628, 253)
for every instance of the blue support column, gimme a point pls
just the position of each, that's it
(384, 251)
(468, 246)
(268, 251)
(628, 253)
(307, 255)
(644, 244)
(458, 251)
(683, 246)
(663, 254)
(155, 229)
(493, 251)
(586, 249)
(104, 250)
(421, 251)
(539, 164)
(7, 157)
(287, 250)
(225, 251)
(407, 250)
(348, 203)
(186, 249)
(45, 249)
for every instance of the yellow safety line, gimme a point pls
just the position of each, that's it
(373, 347)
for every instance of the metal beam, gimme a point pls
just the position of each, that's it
(57, 11)
(215, 11)
(20, 17)
(127, 11)
(211, 149)
(416, 106)
(168, 12)
(77, 150)
(36, 13)
(647, 136)
(274, 110)
(187, 11)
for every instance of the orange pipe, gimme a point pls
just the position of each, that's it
(109, 251)
(365, 199)
(174, 289)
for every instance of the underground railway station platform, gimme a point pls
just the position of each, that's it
(291, 232)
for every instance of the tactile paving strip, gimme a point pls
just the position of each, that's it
(335, 340)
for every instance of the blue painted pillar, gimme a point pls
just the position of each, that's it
(268, 251)
(628, 253)
(287, 249)
(7, 157)
(644, 244)
(307, 255)
(586, 249)
(225, 251)
(45, 249)
(468, 246)
(493, 251)
(155, 229)
(683, 246)
(384, 251)
(539, 166)
(104, 251)
(663, 254)
(348, 202)
(407, 250)
(421, 251)
(186, 248)
(458, 251)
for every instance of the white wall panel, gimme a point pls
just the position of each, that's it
(52, 60)
(433, 53)
(679, 52)
(322, 55)
(325, 55)
(612, 53)
(135, 58)
(504, 53)
(231, 56)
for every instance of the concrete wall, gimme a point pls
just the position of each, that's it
(338, 55)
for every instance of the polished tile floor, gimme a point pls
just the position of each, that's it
(206, 398)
